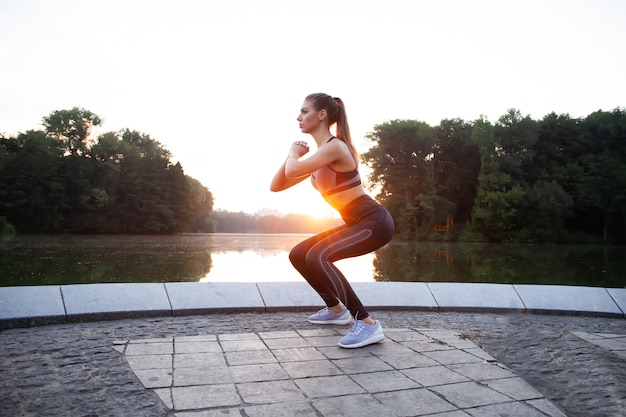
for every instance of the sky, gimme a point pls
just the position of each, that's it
(220, 83)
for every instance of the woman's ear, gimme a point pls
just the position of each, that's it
(323, 114)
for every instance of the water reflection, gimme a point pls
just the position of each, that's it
(47, 260)
(499, 263)
(251, 266)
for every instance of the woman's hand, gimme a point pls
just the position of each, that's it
(299, 149)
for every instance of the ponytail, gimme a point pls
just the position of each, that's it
(336, 110)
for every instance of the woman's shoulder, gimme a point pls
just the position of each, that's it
(343, 156)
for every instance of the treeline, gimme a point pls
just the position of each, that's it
(231, 222)
(558, 179)
(61, 180)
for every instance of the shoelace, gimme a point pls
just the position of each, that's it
(326, 312)
(358, 325)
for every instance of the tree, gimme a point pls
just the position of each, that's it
(72, 127)
(600, 204)
(495, 208)
(201, 205)
(32, 184)
(604, 191)
(516, 136)
(402, 170)
(547, 206)
(143, 204)
(457, 163)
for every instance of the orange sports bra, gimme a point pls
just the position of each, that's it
(328, 181)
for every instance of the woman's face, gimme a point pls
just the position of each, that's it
(309, 118)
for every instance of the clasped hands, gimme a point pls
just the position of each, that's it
(299, 148)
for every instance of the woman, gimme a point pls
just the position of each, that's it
(333, 170)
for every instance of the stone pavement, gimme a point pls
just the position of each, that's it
(415, 372)
(445, 364)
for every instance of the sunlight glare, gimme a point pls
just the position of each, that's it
(274, 266)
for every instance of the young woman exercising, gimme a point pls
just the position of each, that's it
(333, 170)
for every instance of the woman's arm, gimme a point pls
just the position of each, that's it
(295, 170)
(335, 154)
(281, 182)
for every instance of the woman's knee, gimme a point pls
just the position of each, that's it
(297, 256)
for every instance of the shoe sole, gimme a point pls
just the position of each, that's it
(338, 321)
(370, 341)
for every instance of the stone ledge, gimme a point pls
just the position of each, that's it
(42, 305)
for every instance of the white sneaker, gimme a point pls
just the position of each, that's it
(362, 334)
(325, 316)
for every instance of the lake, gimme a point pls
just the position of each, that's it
(76, 259)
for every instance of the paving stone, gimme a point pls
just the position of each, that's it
(548, 408)
(258, 373)
(149, 349)
(184, 346)
(155, 378)
(204, 396)
(388, 347)
(350, 405)
(428, 346)
(202, 376)
(516, 409)
(482, 371)
(470, 394)
(328, 386)
(222, 412)
(434, 375)
(361, 365)
(251, 357)
(150, 361)
(450, 357)
(270, 392)
(408, 360)
(458, 413)
(515, 388)
(242, 345)
(324, 341)
(195, 360)
(406, 335)
(414, 402)
(310, 369)
(300, 409)
(338, 353)
(278, 335)
(237, 336)
(311, 334)
(384, 381)
(293, 342)
(298, 354)
(197, 338)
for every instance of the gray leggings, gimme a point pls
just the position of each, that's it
(368, 227)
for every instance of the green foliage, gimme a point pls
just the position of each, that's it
(61, 180)
(557, 179)
(72, 128)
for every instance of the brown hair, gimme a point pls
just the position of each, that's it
(336, 115)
